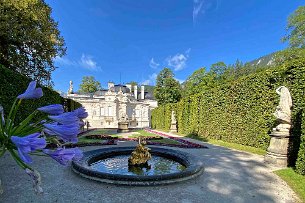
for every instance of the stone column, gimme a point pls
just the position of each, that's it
(110, 85)
(129, 87)
(135, 91)
(142, 91)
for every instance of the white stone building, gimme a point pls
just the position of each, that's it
(107, 107)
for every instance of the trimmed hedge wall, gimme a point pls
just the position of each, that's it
(300, 164)
(12, 84)
(241, 111)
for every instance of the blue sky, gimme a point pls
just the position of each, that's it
(137, 39)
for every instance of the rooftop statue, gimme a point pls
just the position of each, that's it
(70, 91)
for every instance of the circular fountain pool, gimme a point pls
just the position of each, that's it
(110, 165)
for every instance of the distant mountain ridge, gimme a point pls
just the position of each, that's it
(266, 60)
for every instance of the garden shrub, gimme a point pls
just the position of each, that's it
(12, 84)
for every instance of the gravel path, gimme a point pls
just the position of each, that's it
(230, 176)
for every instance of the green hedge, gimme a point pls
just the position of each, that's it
(300, 164)
(241, 111)
(12, 84)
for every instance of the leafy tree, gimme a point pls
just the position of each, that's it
(218, 68)
(296, 28)
(29, 38)
(168, 90)
(193, 82)
(89, 85)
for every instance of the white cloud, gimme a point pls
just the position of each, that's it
(197, 8)
(63, 61)
(87, 62)
(151, 79)
(153, 64)
(178, 61)
(187, 52)
(201, 6)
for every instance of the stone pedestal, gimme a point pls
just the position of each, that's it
(123, 127)
(173, 128)
(277, 152)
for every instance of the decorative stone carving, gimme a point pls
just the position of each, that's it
(173, 127)
(70, 91)
(277, 152)
(123, 119)
(140, 156)
(283, 112)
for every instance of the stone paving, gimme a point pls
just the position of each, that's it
(230, 176)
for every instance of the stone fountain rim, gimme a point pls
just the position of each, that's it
(194, 167)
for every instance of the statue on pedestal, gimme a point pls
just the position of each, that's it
(277, 152)
(173, 122)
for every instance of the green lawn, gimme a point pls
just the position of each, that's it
(241, 147)
(102, 132)
(145, 133)
(294, 180)
(82, 140)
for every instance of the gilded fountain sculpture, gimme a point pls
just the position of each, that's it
(140, 156)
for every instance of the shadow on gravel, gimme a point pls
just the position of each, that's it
(230, 176)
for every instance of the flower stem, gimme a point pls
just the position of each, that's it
(18, 160)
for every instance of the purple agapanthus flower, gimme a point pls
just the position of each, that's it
(53, 109)
(81, 113)
(28, 144)
(47, 131)
(65, 118)
(68, 133)
(31, 92)
(64, 156)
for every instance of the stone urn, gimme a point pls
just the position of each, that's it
(123, 124)
(123, 127)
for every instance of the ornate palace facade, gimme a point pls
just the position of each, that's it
(107, 107)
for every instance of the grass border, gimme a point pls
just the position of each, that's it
(295, 181)
(230, 145)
